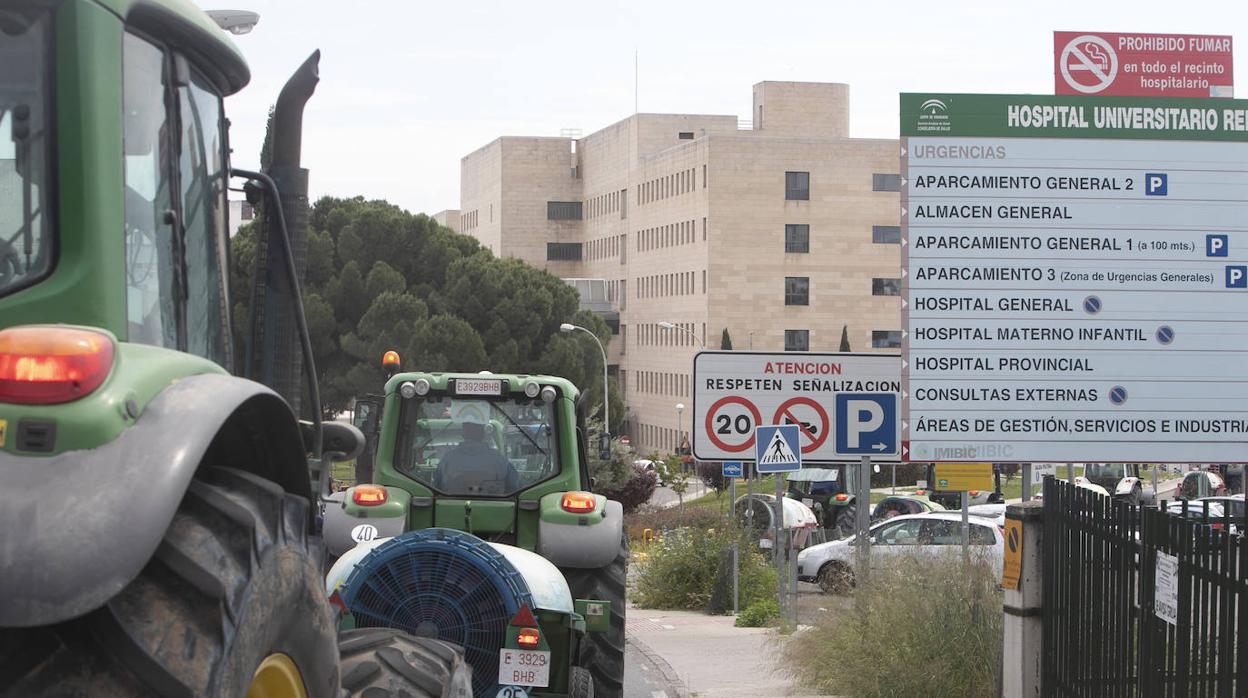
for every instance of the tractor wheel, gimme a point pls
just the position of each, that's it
(387, 662)
(580, 683)
(835, 578)
(231, 604)
(602, 653)
(847, 521)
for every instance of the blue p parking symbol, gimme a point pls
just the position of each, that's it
(1237, 276)
(1155, 184)
(866, 424)
(1216, 245)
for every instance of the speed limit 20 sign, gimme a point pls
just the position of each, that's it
(738, 391)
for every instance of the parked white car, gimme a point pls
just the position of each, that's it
(831, 564)
(650, 466)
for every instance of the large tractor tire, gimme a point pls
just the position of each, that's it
(231, 604)
(381, 662)
(602, 653)
(846, 521)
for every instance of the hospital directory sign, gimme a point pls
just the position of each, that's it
(1074, 278)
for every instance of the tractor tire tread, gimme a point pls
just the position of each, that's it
(232, 580)
(602, 653)
(385, 661)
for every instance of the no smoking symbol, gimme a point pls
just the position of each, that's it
(809, 416)
(1088, 64)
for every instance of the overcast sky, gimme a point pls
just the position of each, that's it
(408, 87)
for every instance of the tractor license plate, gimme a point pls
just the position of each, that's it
(478, 386)
(524, 668)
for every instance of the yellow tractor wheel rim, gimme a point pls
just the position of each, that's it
(277, 677)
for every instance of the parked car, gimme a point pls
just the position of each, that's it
(1215, 510)
(831, 565)
(995, 512)
(650, 467)
(900, 505)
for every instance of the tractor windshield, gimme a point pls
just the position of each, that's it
(1105, 471)
(474, 446)
(25, 231)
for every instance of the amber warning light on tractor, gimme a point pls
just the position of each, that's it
(578, 502)
(369, 495)
(48, 365)
(390, 359)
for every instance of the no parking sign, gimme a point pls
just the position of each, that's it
(737, 391)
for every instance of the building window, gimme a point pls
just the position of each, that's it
(797, 340)
(796, 237)
(797, 186)
(886, 234)
(886, 339)
(704, 176)
(247, 213)
(885, 182)
(563, 211)
(886, 287)
(563, 251)
(797, 290)
(686, 135)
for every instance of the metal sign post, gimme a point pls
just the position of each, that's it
(733, 470)
(1026, 475)
(782, 576)
(966, 532)
(863, 522)
(777, 450)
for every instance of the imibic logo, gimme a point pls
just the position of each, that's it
(933, 116)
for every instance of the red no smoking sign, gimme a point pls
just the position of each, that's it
(809, 416)
(730, 423)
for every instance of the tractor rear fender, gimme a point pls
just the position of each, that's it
(80, 525)
(348, 524)
(1126, 485)
(582, 541)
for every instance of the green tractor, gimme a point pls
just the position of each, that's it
(479, 513)
(158, 505)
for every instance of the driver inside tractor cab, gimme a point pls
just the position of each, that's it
(464, 446)
(475, 466)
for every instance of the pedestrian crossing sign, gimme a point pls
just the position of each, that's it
(777, 449)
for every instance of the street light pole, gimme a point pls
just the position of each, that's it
(606, 397)
(664, 324)
(680, 408)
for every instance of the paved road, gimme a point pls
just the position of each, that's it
(665, 498)
(647, 676)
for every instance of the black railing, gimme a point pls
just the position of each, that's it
(1104, 634)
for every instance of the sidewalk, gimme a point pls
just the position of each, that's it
(709, 655)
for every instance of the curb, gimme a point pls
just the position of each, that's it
(669, 674)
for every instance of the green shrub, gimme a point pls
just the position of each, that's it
(916, 611)
(681, 569)
(759, 614)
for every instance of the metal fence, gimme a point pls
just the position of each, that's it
(1114, 627)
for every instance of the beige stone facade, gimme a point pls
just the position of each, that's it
(449, 218)
(685, 217)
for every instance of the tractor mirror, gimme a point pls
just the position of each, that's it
(341, 441)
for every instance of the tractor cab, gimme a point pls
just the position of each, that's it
(1118, 480)
(829, 492)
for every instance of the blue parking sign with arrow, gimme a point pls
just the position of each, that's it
(866, 424)
(777, 449)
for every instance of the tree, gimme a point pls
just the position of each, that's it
(380, 278)
(725, 341)
(845, 338)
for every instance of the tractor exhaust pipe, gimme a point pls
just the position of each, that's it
(274, 355)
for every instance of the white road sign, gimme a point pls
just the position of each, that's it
(1166, 588)
(736, 391)
(1074, 278)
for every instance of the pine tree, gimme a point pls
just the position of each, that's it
(845, 338)
(725, 342)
